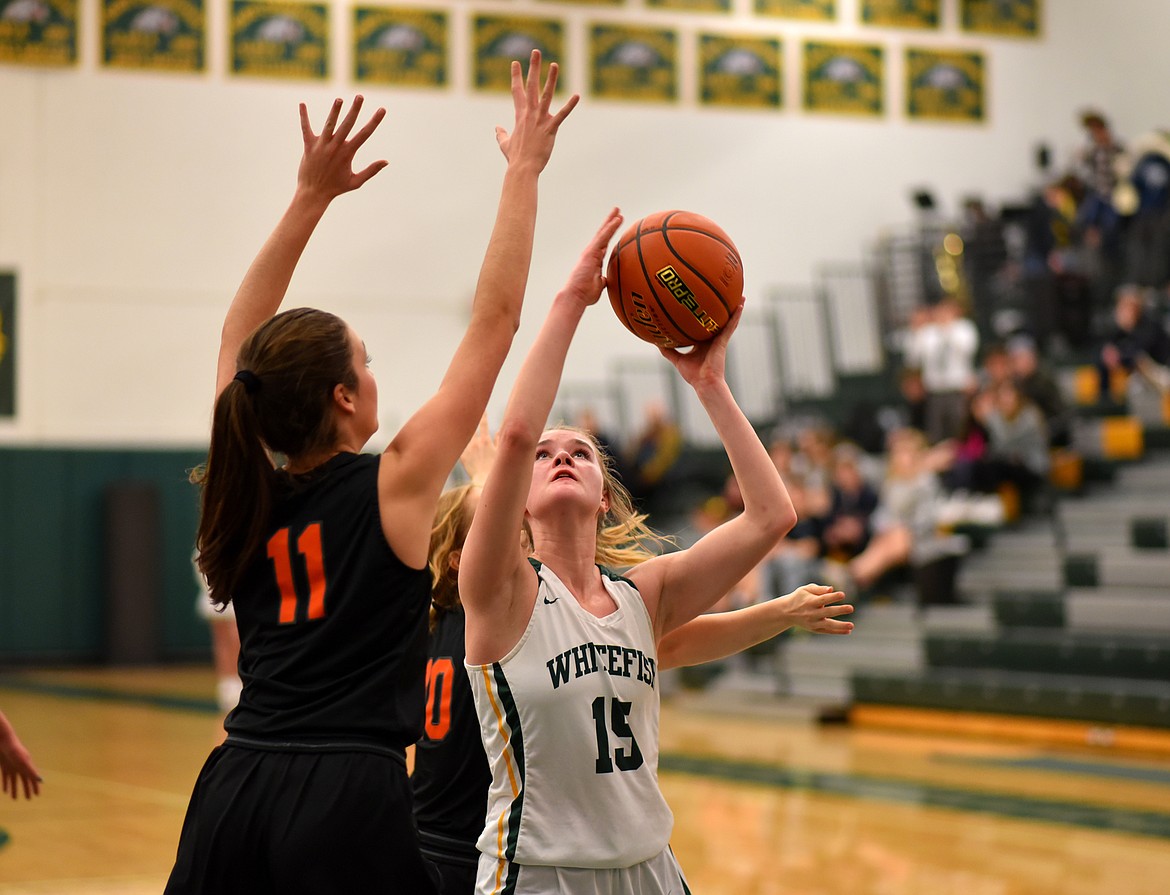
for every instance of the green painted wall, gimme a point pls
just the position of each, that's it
(53, 604)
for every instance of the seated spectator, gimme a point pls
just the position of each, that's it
(1041, 388)
(904, 525)
(652, 454)
(1137, 339)
(1017, 448)
(996, 366)
(852, 501)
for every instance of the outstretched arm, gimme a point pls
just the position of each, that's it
(16, 765)
(813, 607)
(326, 171)
(678, 586)
(495, 583)
(417, 462)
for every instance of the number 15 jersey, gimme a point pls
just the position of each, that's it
(569, 720)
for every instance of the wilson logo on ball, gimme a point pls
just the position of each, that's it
(669, 278)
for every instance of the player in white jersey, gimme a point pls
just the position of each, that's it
(562, 653)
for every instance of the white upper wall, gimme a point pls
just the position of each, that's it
(132, 203)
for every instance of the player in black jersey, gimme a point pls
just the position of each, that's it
(324, 557)
(451, 774)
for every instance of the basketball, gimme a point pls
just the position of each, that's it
(674, 278)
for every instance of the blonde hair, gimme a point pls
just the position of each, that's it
(448, 532)
(623, 537)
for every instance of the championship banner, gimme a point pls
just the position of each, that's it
(740, 71)
(691, 5)
(633, 63)
(945, 85)
(499, 40)
(7, 345)
(1007, 18)
(403, 47)
(38, 32)
(280, 40)
(808, 10)
(844, 78)
(162, 35)
(901, 13)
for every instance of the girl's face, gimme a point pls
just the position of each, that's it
(566, 467)
(366, 395)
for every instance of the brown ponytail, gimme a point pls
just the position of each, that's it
(282, 404)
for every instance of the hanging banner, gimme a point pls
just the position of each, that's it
(403, 47)
(901, 13)
(499, 40)
(38, 32)
(740, 70)
(280, 40)
(1007, 18)
(691, 5)
(634, 63)
(945, 85)
(7, 345)
(808, 10)
(843, 78)
(161, 35)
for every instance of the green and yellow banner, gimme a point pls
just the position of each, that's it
(945, 85)
(162, 35)
(901, 13)
(740, 71)
(403, 47)
(633, 63)
(280, 40)
(844, 78)
(1006, 18)
(498, 40)
(807, 10)
(691, 5)
(38, 32)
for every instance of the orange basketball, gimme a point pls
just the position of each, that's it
(674, 278)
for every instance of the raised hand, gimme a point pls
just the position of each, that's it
(706, 361)
(532, 137)
(327, 164)
(586, 281)
(480, 453)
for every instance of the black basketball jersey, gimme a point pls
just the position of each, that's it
(451, 774)
(332, 624)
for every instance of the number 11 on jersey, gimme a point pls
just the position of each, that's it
(308, 546)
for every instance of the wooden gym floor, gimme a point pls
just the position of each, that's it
(762, 806)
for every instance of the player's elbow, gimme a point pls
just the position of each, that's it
(776, 521)
(515, 437)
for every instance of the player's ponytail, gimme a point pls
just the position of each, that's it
(238, 481)
(280, 402)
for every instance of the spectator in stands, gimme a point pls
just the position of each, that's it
(905, 523)
(996, 366)
(1097, 169)
(852, 501)
(1017, 453)
(943, 344)
(653, 453)
(1137, 339)
(1039, 386)
(1143, 197)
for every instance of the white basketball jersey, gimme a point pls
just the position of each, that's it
(569, 719)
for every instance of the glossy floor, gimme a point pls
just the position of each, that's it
(762, 806)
